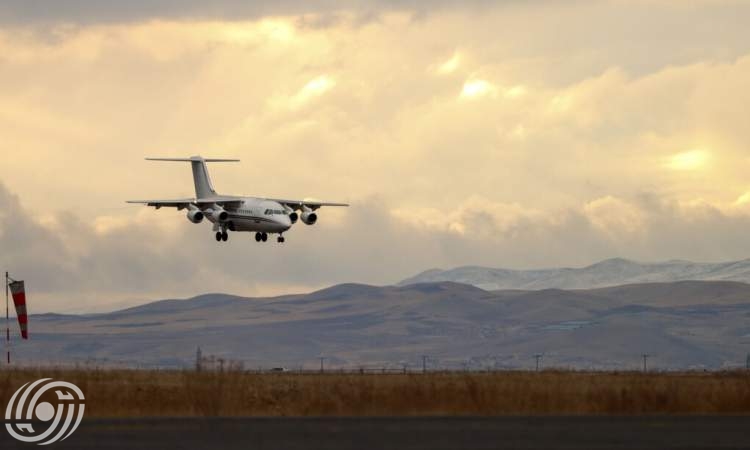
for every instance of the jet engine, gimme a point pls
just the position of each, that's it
(218, 213)
(309, 217)
(293, 216)
(195, 215)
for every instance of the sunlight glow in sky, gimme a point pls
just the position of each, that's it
(478, 88)
(690, 160)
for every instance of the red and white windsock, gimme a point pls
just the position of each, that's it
(19, 299)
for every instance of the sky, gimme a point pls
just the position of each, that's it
(518, 134)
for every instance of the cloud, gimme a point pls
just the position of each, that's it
(477, 218)
(478, 88)
(313, 89)
(73, 264)
(91, 11)
(568, 139)
(614, 217)
(690, 160)
(449, 66)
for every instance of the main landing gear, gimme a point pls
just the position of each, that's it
(262, 236)
(222, 236)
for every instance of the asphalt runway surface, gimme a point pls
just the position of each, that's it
(657, 432)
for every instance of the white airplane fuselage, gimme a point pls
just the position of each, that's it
(255, 214)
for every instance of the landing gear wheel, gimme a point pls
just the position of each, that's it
(264, 237)
(218, 236)
(224, 236)
(258, 237)
(280, 239)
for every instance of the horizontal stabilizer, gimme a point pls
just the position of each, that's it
(194, 159)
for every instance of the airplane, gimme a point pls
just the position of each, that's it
(236, 213)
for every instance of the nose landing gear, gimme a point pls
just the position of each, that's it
(280, 239)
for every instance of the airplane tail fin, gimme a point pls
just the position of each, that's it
(203, 186)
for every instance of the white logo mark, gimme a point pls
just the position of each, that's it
(24, 412)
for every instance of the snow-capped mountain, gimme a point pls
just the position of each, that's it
(611, 272)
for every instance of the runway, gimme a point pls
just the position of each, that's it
(658, 432)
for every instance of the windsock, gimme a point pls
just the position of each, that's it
(19, 299)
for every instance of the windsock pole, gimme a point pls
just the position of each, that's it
(7, 319)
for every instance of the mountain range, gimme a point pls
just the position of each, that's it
(686, 324)
(611, 272)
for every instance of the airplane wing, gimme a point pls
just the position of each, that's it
(181, 203)
(298, 204)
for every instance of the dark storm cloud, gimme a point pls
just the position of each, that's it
(69, 256)
(93, 11)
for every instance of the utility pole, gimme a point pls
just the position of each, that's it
(645, 359)
(321, 364)
(7, 318)
(198, 360)
(424, 363)
(747, 362)
(538, 357)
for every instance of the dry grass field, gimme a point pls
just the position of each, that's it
(137, 393)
